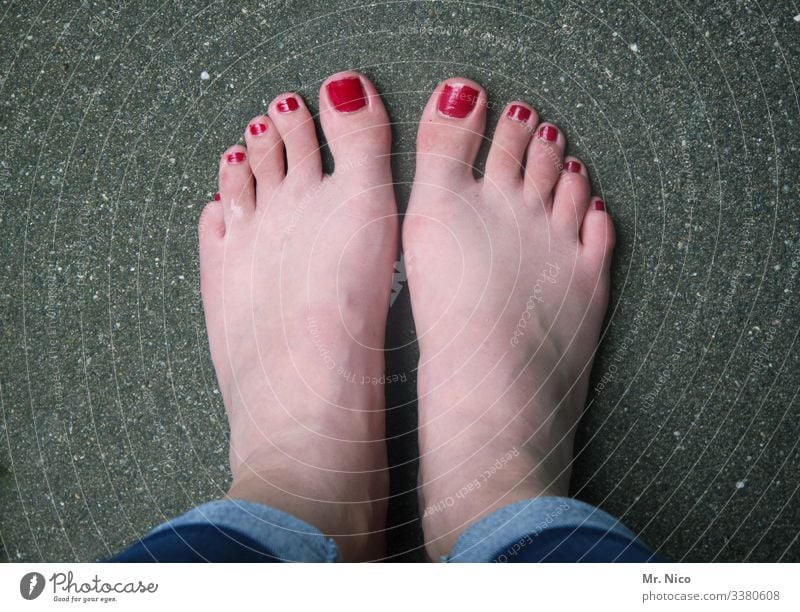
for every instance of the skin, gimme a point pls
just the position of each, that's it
(296, 270)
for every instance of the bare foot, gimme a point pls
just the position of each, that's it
(509, 281)
(296, 271)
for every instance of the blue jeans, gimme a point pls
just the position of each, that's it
(555, 529)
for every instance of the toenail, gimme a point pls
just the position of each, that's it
(236, 158)
(457, 100)
(347, 94)
(548, 133)
(572, 166)
(256, 129)
(519, 113)
(217, 197)
(287, 105)
(599, 205)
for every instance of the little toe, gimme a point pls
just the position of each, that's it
(544, 163)
(511, 138)
(450, 132)
(211, 224)
(296, 125)
(597, 233)
(571, 196)
(210, 233)
(236, 186)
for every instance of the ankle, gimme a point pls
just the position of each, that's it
(457, 499)
(355, 526)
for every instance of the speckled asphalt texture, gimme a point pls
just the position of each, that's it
(113, 113)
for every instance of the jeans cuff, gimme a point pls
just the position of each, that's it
(507, 530)
(283, 535)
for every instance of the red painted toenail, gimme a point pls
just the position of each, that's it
(236, 158)
(256, 129)
(287, 105)
(549, 133)
(457, 100)
(572, 166)
(217, 197)
(519, 113)
(599, 205)
(347, 94)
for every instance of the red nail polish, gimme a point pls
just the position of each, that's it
(548, 133)
(217, 197)
(599, 205)
(287, 105)
(236, 158)
(256, 129)
(519, 113)
(572, 166)
(347, 94)
(457, 100)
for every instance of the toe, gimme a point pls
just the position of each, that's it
(451, 131)
(296, 125)
(597, 233)
(544, 163)
(211, 225)
(571, 196)
(265, 155)
(236, 186)
(511, 137)
(355, 122)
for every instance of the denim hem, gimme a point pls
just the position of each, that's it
(286, 537)
(505, 533)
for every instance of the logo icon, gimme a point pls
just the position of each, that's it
(398, 278)
(31, 585)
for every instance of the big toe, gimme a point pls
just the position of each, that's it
(450, 132)
(355, 122)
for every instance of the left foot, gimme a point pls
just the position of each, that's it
(296, 271)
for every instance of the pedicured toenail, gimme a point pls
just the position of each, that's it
(572, 166)
(457, 100)
(256, 129)
(519, 113)
(287, 105)
(236, 158)
(217, 197)
(347, 95)
(599, 205)
(548, 133)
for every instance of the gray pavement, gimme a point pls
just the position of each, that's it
(686, 114)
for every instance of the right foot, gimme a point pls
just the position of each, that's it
(509, 281)
(296, 270)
